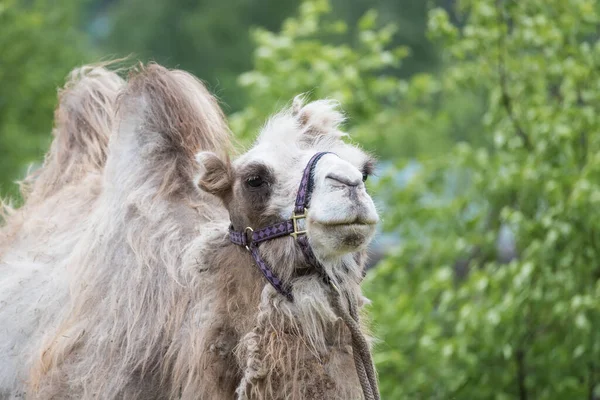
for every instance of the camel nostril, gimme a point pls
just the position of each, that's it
(344, 180)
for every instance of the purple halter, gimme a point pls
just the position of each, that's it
(288, 227)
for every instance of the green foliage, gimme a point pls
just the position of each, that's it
(388, 114)
(297, 61)
(454, 320)
(501, 146)
(39, 44)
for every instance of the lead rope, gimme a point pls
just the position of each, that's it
(360, 348)
(366, 354)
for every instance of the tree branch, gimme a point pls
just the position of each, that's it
(591, 383)
(521, 374)
(506, 99)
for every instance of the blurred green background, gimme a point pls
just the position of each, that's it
(485, 115)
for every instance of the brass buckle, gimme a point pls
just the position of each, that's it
(295, 218)
(249, 241)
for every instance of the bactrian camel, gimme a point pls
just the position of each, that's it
(137, 266)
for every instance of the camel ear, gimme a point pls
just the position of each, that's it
(216, 176)
(320, 117)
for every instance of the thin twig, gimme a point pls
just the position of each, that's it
(591, 383)
(521, 374)
(583, 137)
(506, 100)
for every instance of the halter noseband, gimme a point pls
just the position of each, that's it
(251, 238)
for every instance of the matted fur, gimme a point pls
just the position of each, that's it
(36, 239)
(154, 301)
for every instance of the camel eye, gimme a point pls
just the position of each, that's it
(368, 169)
(255, 181)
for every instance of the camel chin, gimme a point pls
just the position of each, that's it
(331, 240)
(342, 218)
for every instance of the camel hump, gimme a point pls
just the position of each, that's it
(178, 107)
(85, 114)
(83, 122)
(164, 118)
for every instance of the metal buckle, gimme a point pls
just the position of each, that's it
(295, 218)
(249, 241)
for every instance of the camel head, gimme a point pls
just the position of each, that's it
(259, 188)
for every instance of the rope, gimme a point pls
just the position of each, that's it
(365, 384)
(366, 355)
(360, 348)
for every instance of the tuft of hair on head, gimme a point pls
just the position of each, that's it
(83, 122)
(321, 117)
(216, 175)
(178, 107)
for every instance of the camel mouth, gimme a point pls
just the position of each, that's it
(344, 224)
(357, 222)
(341, 237)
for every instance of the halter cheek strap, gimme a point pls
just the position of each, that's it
(251, 238)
